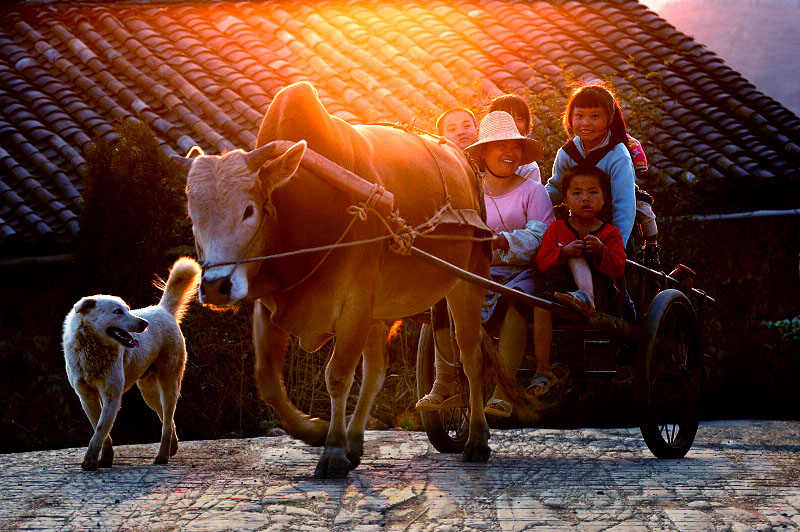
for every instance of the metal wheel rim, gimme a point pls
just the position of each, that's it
(671, 374)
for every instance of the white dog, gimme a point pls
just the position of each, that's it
(108, 347)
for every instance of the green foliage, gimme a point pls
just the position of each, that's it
(134, 210)
(788, 327)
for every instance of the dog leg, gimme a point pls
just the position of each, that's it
(101, 438)
(148, 385)
(161, 397)
(169, 399)
(90, 401)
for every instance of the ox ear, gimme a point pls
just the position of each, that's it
(187, 161)
(282, 168)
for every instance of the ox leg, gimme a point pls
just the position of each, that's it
(374, 363)
(465, 305)
(270, 352)
(351, 335)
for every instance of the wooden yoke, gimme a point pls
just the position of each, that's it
(341, 178)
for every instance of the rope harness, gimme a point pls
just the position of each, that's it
(399, 232)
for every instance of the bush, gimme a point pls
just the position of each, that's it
(134, 211)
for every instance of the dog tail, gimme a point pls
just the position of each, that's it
(181, 286)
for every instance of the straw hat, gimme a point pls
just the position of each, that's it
(499, 125)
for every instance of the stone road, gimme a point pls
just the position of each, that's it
(739, 476)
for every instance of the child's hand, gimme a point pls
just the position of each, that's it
(499, 242)
(573, 249)
(592, 245)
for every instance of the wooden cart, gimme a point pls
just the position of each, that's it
(666, 340)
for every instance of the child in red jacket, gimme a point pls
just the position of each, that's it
(572, 250)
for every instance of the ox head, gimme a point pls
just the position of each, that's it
(229, 199)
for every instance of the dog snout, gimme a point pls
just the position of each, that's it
(216, 290)
(141, 325)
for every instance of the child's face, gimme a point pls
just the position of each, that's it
(459, 128)
(585, 196)
(502, 157)
(521, 125)
(590, 123)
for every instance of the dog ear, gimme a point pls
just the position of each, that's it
(85, 306)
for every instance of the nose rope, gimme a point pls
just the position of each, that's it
(266, 209)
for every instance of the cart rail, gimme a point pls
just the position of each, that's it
(600, 320)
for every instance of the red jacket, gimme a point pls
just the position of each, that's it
(610, 261)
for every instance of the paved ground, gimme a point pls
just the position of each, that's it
(739, 476)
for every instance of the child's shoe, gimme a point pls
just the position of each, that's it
(577, 300)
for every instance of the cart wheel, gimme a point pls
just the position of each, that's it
(447, 429)
(669, 375)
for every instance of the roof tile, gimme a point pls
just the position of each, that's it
(204, 73)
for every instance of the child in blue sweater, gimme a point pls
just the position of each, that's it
(596, 129)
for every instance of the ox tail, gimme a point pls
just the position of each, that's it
(181, 287)
(527, 409)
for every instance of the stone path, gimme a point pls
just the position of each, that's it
(739, 476)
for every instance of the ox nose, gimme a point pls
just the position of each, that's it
(216, 289)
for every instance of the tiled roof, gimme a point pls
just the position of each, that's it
(204, 73)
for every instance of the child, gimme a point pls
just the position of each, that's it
(518, 108)
(459, 126)
(518, 211)
(572, 250)
(645, 217)
(598, 137)
(596, 129)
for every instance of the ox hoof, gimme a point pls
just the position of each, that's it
(89, 463)
(106, 458)
(173, 445)
(332, 464)
(161, 459)
(355, 450)
(476, 452)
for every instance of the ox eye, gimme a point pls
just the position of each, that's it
(248, 212)
(118, 311)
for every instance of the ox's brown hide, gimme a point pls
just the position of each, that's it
(416, 169)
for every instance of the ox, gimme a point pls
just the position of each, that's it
(264, 202)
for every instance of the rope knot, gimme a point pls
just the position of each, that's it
(403, 240)
(403, 237)
(375, 195)
(359, 211)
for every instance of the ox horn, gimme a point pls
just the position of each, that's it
(187, 161)
(256, 158)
